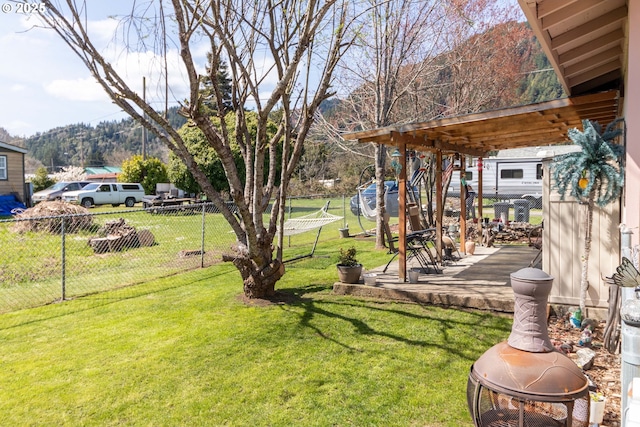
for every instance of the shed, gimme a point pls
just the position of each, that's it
(12, 172)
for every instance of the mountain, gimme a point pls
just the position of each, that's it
(106, 144)
(528, 79)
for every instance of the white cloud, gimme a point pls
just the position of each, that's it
(18, 127)
(17, 87)
(81, 89)
(103, 31)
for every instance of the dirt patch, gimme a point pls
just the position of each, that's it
(605, 373)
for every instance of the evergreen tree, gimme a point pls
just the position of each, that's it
(41, 180)
(222, 86)
(594, 175)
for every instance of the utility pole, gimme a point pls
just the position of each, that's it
(144, 129)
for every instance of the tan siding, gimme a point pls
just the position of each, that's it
(15, 174)
(563, 241)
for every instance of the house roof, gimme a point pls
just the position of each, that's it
(13, 148)
(544, 123)
(583, 39)
(100, 170)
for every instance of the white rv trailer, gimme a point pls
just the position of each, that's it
(503, 178)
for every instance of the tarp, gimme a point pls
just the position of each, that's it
(8, 202)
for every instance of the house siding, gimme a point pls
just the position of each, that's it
(14, 184)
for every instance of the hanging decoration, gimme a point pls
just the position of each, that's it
(395, 161)
(583, 182)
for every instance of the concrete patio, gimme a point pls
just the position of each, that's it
(480, 281)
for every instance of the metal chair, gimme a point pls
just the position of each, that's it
(418, 243)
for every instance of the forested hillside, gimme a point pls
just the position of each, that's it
(111, 142)
(106, 144)
(501, 67)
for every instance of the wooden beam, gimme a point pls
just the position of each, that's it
(611, 39)
(569, 11)
(595, 72)
(547, 7)
(457, 148)
(587, 28)
(597, 82)
(615, 53)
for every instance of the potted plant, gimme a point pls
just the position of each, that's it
(349, 269)
(596, 411)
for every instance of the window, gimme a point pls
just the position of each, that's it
(539, 171)
(133, 187)
(511, 173)
(105, 188)
(468, 176)
(3, 167)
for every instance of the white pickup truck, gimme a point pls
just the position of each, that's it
(106, 193)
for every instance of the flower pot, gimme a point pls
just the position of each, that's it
(370, 279)
(470, 247)
(349, 274)
(596, 413)
(414, 276)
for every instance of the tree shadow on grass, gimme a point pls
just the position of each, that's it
(315, 304)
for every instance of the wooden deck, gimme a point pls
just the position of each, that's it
(479, 281)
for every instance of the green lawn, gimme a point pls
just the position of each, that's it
(186, 351)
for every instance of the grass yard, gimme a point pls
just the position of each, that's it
(185, 350)
(31, 272)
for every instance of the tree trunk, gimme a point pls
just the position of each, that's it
(259, 275)
(584, 278)
(380, 156)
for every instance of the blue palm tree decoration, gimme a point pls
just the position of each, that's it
(594, 175)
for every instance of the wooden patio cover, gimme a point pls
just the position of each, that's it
(545, 123)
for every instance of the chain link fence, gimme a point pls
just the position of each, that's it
(52, 258)
(47, 259)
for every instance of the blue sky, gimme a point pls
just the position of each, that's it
(43, 84)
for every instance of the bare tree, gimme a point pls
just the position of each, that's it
(390, 57)
(420, 60)
(483, 57)
(298, 43)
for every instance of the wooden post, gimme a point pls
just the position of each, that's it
(402, 212)
(439, 206)
(463, 205)
(480, 202)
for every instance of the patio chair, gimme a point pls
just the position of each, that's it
(418, 248)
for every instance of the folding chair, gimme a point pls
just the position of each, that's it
(418, 249)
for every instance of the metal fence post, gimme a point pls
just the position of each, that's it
(289, 237)
(344, 211)
(63, 258)
(204, 210)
